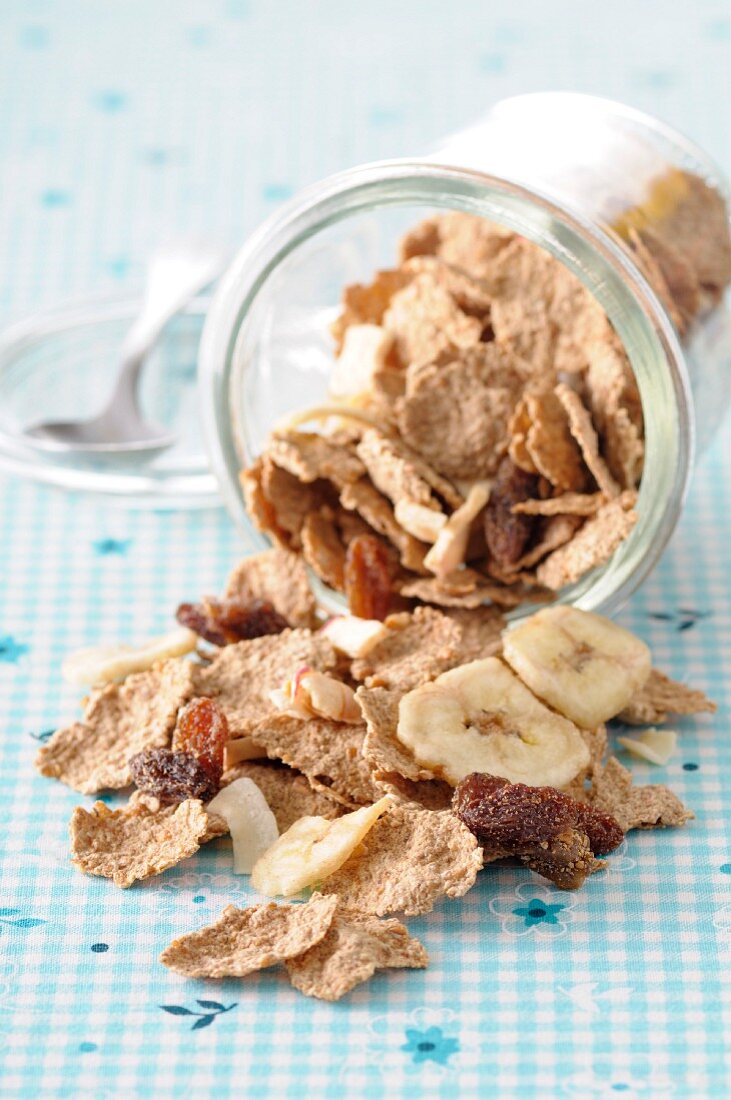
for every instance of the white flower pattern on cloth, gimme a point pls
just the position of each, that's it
(534, 909)
(618, 860)
(205, 891)
(722, 920)
(613, 1084)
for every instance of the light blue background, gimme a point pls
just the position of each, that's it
(122, 124)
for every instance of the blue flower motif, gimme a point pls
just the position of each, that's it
(110, 101)
(10, 650)
(119, 266)
(431, 1045)
(54, 198)
(536, 911)
(684, 618)
(277, 192)
(9, 917)
(34, 37)
(112, 546)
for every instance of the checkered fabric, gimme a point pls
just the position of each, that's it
(123, 124)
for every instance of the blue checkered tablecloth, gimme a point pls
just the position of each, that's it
(121, 124)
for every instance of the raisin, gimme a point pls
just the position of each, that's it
(224, 622)
(368, 578)
(602, 830)
(202, 731)
(506, 534)
(172, 776)
(512, 817)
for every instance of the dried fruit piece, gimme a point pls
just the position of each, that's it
(584, 665)
(656, 746)
(480, 717)
(313, 695)
(202, 730)
(367, 578)
(421, 522)
(356, 945)
(313, 849)
(450, 549)
(552, 833)
(364, 352)
(245, 940)
(250, 821)
(353, 636)
(172, 776)
(513, 817)
(506, 533)
(102, 664)
(224, 622)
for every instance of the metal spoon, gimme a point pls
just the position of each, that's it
(175, 275)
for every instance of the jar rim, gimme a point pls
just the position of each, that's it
(599, 260)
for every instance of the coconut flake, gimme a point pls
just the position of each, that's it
(252, 824)
(654, 745)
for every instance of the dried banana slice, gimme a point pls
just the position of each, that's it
(312, 849)
(481, 718)
(584, 665)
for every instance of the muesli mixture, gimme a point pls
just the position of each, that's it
(483, 447)
(362, 767)
(484, 431)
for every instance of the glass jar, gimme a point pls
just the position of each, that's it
(565, 171)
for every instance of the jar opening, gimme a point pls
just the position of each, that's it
(266, 344)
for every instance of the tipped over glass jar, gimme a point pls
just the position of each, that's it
(555, 329)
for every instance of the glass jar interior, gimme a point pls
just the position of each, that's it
(267, 350)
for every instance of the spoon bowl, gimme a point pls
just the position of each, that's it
(176, 274)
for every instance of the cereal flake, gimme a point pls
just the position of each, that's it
(288, 793)
(241, 676)
(420, 646)
(661, 696)
(592, 545)
(278, 576)
(135, 842)
(119, 721)
(243, 941)
(355, 946)
(633, 807)
(409, 859)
